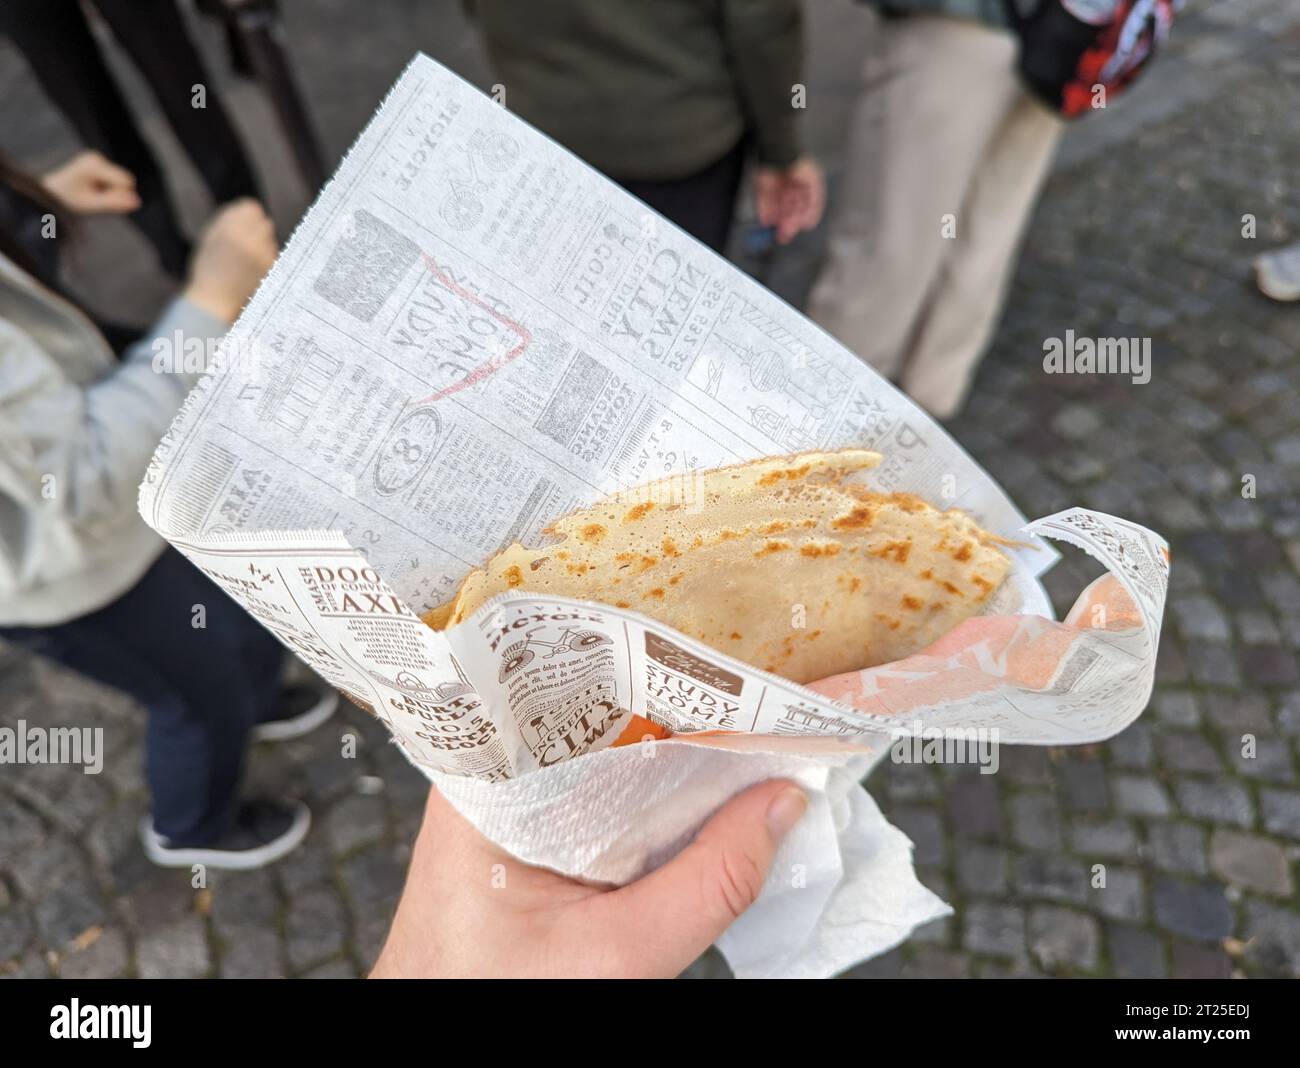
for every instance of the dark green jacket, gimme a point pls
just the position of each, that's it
(651, 89)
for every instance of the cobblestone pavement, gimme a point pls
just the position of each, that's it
(1138, 234)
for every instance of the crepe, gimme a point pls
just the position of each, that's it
(781, 563)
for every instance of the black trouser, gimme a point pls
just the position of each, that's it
(703, 203)
(58, 43)
(204, 688)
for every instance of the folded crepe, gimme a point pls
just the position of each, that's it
(781, 563)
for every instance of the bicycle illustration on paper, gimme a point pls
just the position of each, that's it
(518, 655)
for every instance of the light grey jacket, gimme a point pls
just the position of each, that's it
(77, 430)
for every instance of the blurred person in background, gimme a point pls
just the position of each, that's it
(947, 155)
(57, 40)
(82, 579)
(667, 98)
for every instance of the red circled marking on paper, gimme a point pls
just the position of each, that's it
(488, 367)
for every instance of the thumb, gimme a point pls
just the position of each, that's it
(676, 912)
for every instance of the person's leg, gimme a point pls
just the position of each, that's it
(204, 687)
(702, 204)
(154, 35)
(968, 298)
(923, 122)
(227, 669)
(65, 59)
(177, 764)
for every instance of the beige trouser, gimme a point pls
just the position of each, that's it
(943, 134)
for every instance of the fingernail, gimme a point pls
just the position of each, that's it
(785, 811)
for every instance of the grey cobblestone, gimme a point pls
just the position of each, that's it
(1270, 761)
(106, 957)
(16, 933)
(982, 869)
(355, 821)
(368, 938)
(1141, 796)
(178, 950)
(1135, 953)
(1052, 878)
(243, 899)
(32, 966)
(19, 829)
(1133, 749)
(1027, 765)
(162, 897)
(996, 930)
(1247, 860)
(974, 807)
(372, 880)
(1213, 664)
(334, 969)
(1084, 786)
(251, 953)
(1270, 665)
(1124, 895)
(316, 928)
(1194, 910)
(1272, 937)
(1184, 751)
(1281, 811)
(1288, 716)
(932, 962)
(1257, 628)
(1200, 618)
(33, 870)
(1062, 939)
(1103, 838)
(1216, 802)
(1034, 821)
(307, 866)
(1019, 968)
(1237, 714)
(1200, 962)
(1177, 847)
(67, 910)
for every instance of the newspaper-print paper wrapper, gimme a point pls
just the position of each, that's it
(471, 333)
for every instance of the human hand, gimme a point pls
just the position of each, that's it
(790, 199)
(234, 253)
(470, 909)
(89, 184)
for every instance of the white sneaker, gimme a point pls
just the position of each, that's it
(264, 831)
(1277, 273)
(303, 708)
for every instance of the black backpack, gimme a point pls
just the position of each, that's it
(1075, 53)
